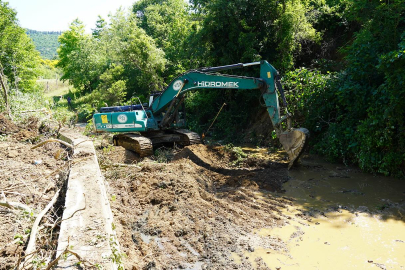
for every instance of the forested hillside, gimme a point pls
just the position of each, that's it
(46, 42)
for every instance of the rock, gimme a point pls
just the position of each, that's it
(12, 154)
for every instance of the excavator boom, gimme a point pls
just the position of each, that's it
(163, 120)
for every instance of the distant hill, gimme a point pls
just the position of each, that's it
(46, 42)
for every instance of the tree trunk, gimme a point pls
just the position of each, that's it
(5, 91)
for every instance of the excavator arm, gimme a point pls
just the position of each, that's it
(165, 106)
(161, 121)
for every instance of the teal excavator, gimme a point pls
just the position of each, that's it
(144, 127)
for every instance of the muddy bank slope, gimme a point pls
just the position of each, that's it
(197, 211)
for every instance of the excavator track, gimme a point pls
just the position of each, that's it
(137, 143)
(143, 144)
(188, 137)
(294, 143)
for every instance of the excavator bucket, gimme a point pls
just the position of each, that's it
(294, 142)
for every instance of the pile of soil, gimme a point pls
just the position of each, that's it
(6, 126)
(197, 211)
(30, 177)
(28, 131)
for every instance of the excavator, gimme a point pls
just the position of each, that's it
(143, 127)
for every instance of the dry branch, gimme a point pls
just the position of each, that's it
(13, 205)
(14, 193)
(39, 110)
(67, 251)
(31, 243)
(123, 165)
(53, 140)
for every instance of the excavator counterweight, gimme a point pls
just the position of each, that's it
(163, 119)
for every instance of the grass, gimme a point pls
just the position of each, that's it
(54, 88)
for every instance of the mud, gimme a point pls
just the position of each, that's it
(341, 218)
(200, 211)
(196, 211)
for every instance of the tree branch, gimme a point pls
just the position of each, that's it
(53, 140)
(31, 243)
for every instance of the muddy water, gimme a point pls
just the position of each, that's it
(340, 219)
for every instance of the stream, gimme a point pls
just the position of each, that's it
(340, 218)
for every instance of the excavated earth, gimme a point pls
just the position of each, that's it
(30, 177)
(197, 211)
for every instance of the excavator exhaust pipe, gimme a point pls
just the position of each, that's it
(294, 142)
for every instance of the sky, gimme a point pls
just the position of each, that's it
(56, 15)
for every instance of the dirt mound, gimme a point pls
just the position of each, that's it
(28, 130)
(117, 155)
(196, 212)
(204, 155)
(6, 126)
(24, 132)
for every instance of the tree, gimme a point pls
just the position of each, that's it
(363, 103)
(170, 24)
(245, 31)
(18, 57)
(69, 42)
(112, 87)
(100, 25)
(85, 58)
(81, 57)
(127, 44)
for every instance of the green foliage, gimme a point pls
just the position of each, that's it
(47, 69)
(362, 106)
(100, 25)
(85, 111)
(18, 57)
(112, 87)
(169, 23)
(203, 106)
(306, 91)
(136, 51)
(81, 58)
(238, 156)
(117, 61)
(245, 31)
(46, 42)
